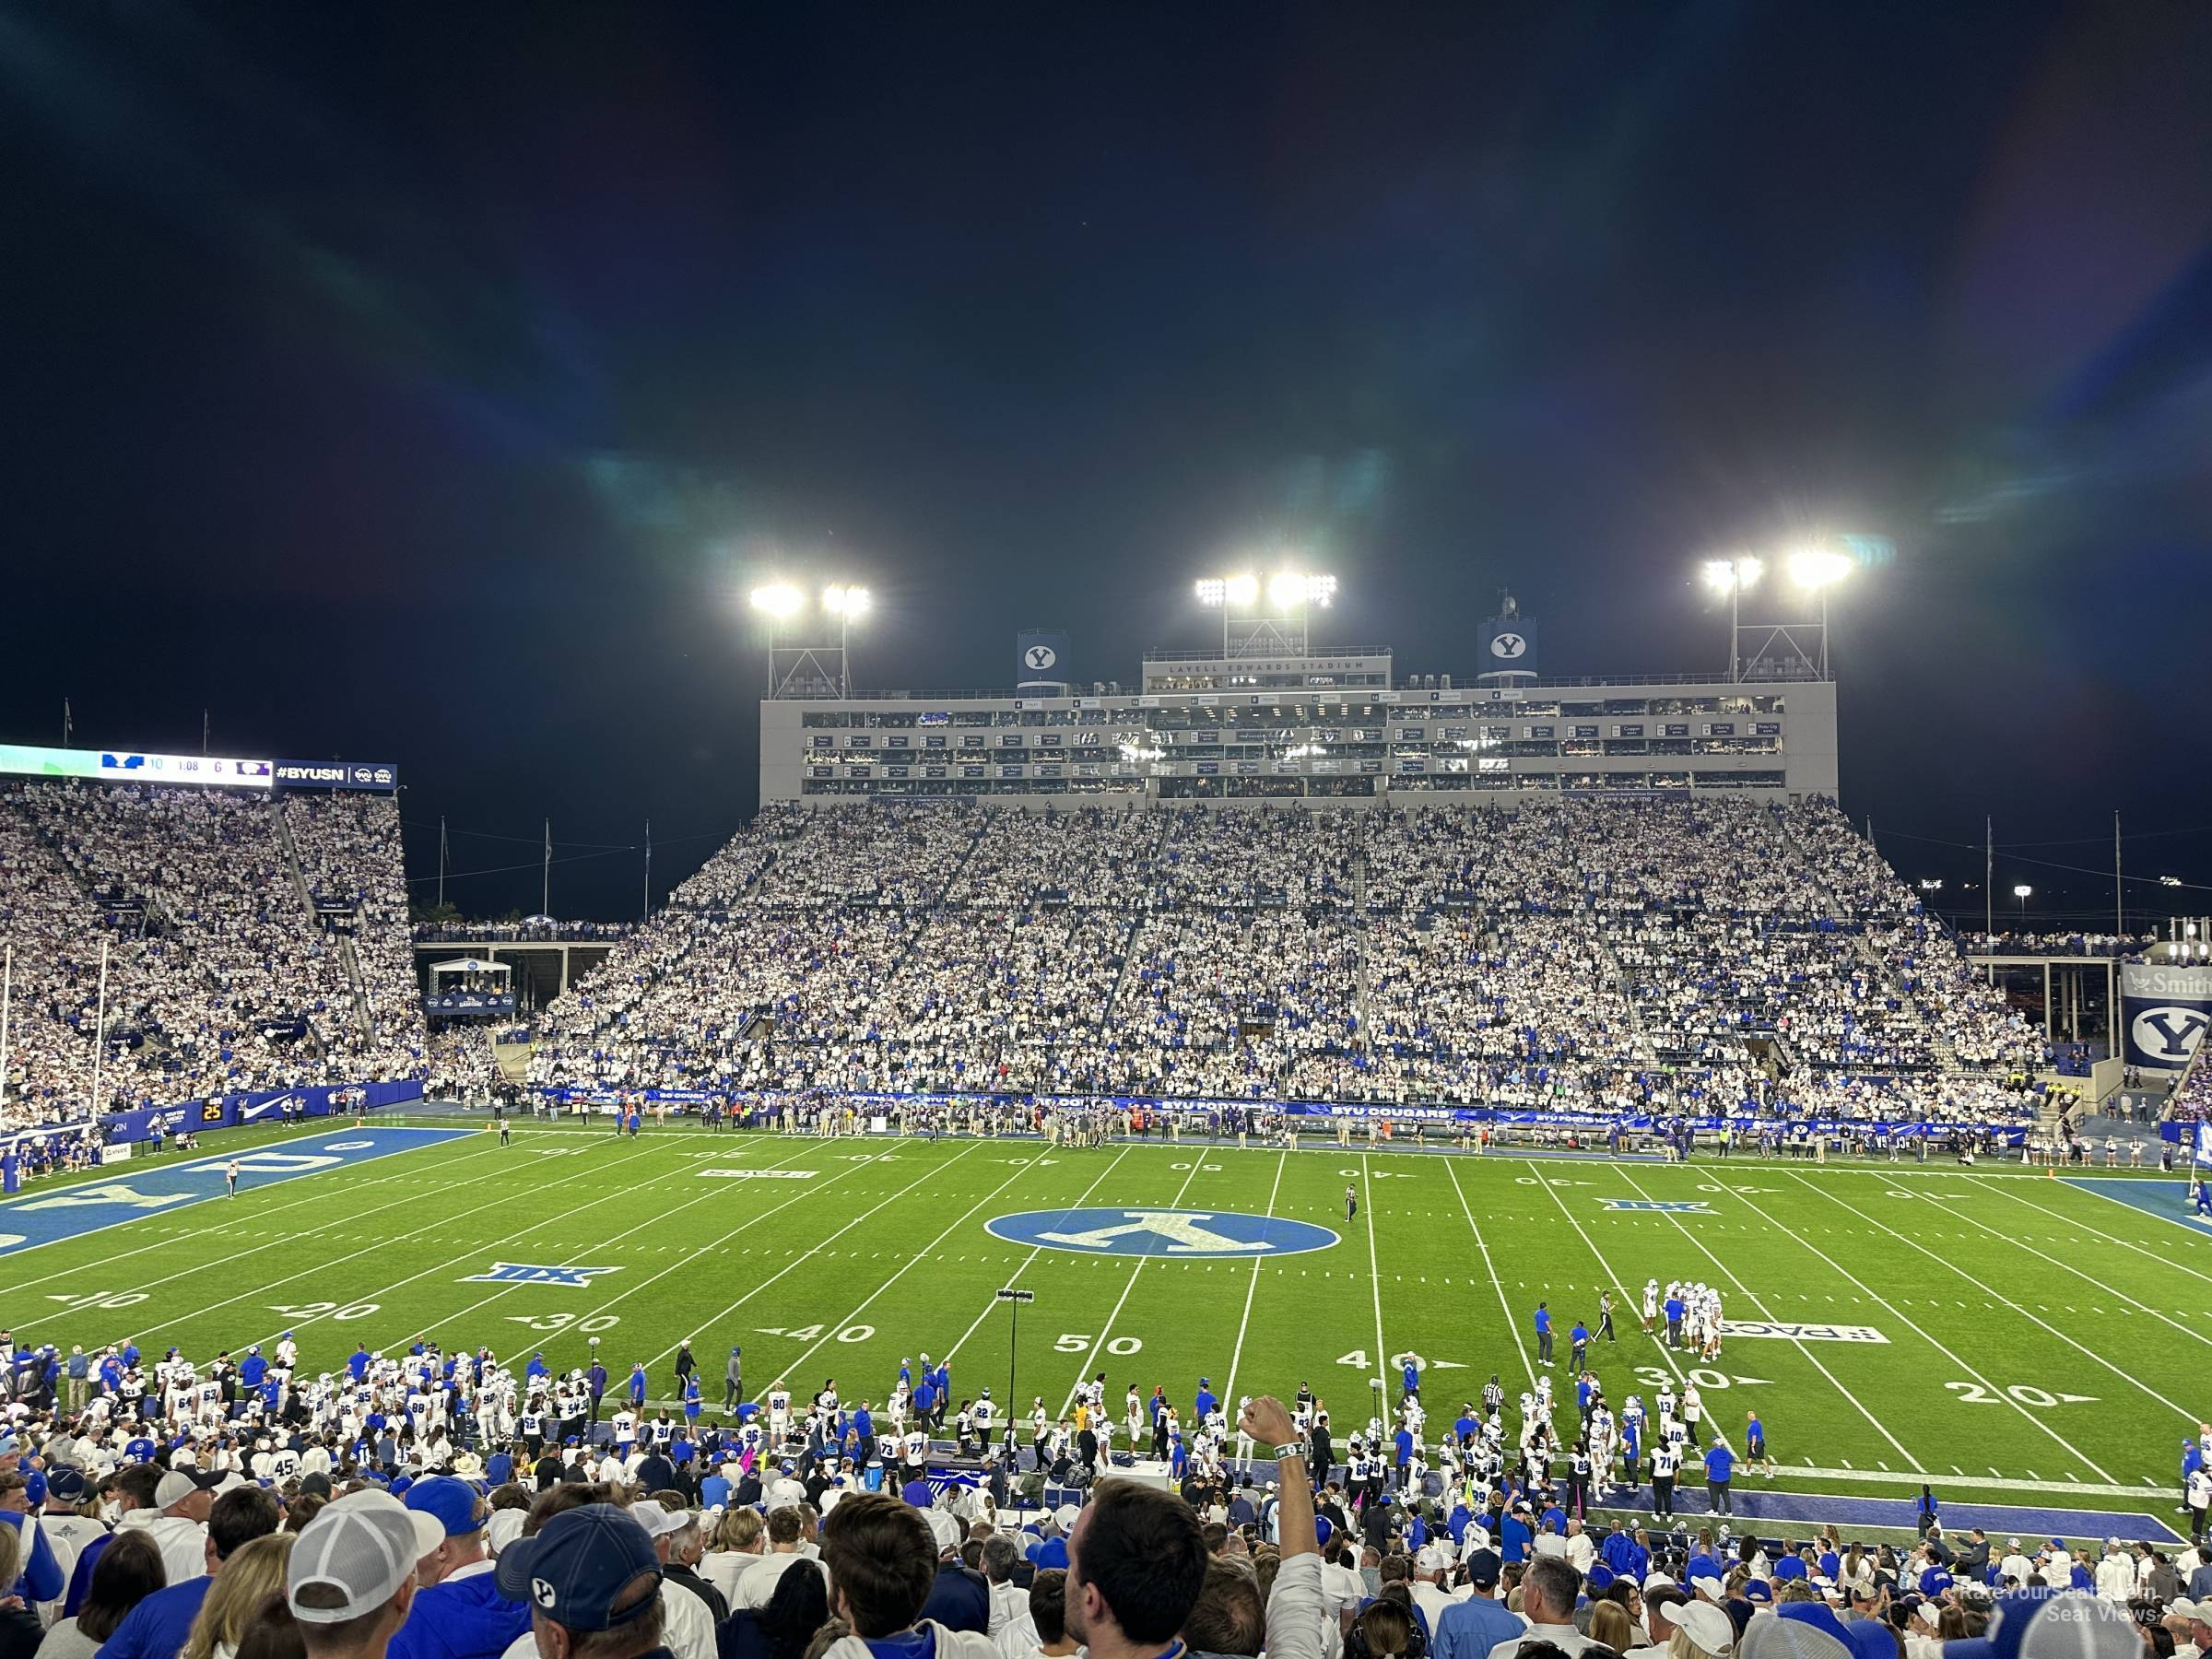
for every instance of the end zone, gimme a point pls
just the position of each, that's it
(143, 1187)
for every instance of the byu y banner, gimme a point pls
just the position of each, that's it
(2164, 1012)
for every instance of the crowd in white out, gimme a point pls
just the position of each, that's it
(226, 916)
(1672, 955)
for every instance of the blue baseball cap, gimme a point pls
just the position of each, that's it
(577, 1565)
(1052, 1553)
(449, 1500)
(65, 1482)
(34, 1488)
(1758, 1590)
(2049, 1623)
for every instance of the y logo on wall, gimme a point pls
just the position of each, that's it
(2169, 1035)
(1148, 1233)
(521, 1273)
(1040, 657)
(1508, 645)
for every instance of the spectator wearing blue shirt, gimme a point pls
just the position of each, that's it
(1470, 1629)
(157, 1626)
(1514, 1534)
(461, 1614)
(1543, 1336)
(1719, 1465)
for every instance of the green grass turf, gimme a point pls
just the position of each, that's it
(1983, 1282)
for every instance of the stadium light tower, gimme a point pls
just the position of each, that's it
(847, 605)
(1815, 571)
(809, 670)
(2023, 892)
(1263, 618)
(1730, 577)
(1784, 650)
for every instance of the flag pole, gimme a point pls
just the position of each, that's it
(100, 1031)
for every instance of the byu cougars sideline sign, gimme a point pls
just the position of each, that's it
(1193, 1234)
(2164, 1012)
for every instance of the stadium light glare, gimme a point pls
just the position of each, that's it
(846, 602)
(1813, 569)
(1725, 576)
(2023, 891)
(779, 600)
(1294, 590)
(1232, 592)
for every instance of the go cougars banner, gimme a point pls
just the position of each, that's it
(2164, 1013)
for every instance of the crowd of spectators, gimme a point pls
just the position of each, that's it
(251, 943)
(1684, 955)
(428, 1505)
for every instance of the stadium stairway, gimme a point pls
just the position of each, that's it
(346, 955)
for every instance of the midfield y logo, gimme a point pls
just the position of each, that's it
(1160, 1232)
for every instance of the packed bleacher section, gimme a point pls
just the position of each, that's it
(433, 1503)
(2012, 942)
(252, 943)
(1671, 955)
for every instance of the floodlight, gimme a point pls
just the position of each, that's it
(1241, 590)
(780, 599)
(846, 602)
(1816, 568)
(1732, 575)
(2022, 891)
(1212, 590)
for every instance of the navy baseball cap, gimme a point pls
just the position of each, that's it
(576, 1567)
(65, 1482)
(449, 1500)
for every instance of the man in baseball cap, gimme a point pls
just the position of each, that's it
(350, 1579)
(459, 1612)
(588, 1569)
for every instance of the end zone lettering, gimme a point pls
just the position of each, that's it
(1673, 1206)
(523, 1273)
(1801, 1332)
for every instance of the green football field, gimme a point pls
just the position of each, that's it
(2017, 1339)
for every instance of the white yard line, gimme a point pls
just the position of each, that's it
(795, 1366)
(232, 1217)
(2187, 1416)
(1106, 1330)
(653, 1220)
(1765, 1312)
(1027, 1262)
(1236, 1354)
(2078, 1272)
(1965, 1371)
(1496, 1284)
(2163, 1260)
(325, 1266)
(699, 1329)
(1666, 1353)
(1374, 1277)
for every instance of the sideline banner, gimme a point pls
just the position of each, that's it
(872, 1103)
(233, 1111)
(2164, 1012)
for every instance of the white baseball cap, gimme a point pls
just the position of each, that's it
(364, 1546)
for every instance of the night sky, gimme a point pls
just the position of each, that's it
(431, 385)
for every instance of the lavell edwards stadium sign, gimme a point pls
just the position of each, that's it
(2165, 1012)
